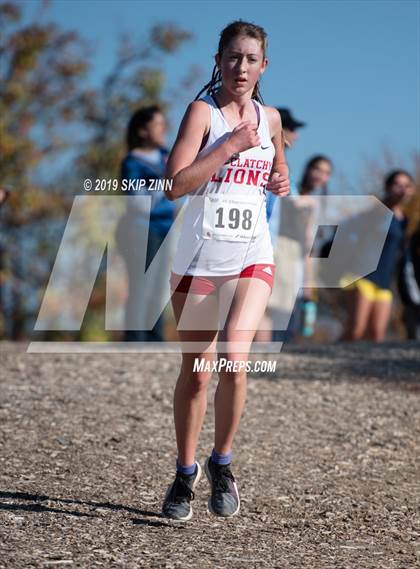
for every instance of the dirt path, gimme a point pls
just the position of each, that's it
(327, 463)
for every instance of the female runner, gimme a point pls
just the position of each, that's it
(228, 152)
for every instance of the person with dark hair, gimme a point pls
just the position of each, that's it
(146, 160)
(229, 152)
(314, 182)
(298, 215)
(298, 220)
(316, 175)
(370, 298)
(146, 123)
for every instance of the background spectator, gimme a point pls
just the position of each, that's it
(146, 160)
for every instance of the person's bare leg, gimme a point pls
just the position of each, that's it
(265, 331)
(237, 336)
(190, 396)
(359, 312)
(381, 312)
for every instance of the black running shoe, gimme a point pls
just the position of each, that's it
(224, 500)
(176, 504)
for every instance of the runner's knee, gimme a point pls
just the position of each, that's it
(197, 374)
(234, 366)
(199, 380)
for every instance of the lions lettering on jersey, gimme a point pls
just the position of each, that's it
(250, 172)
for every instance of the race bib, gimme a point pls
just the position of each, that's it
(230, 217)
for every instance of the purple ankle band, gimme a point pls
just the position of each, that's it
(221, 458)
(189, 469)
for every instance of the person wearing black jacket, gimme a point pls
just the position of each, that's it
(409, 286)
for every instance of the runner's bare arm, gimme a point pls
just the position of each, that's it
(184, 168)
(279, 178)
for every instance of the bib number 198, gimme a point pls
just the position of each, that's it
(234, 218)
(231, 218)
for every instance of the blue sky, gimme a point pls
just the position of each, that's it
(350, 69)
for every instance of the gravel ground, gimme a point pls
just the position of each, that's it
(326, 459)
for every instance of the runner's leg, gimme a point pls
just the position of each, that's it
(190, 397)
(236, 337)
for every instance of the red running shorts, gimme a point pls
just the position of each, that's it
(209, 285)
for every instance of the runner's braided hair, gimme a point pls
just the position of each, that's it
(237, 28)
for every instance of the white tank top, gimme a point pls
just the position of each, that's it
(201, 251)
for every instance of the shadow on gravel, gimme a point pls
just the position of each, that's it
(394, 363)
(37, 507)
(157, 524)
(40, 509)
